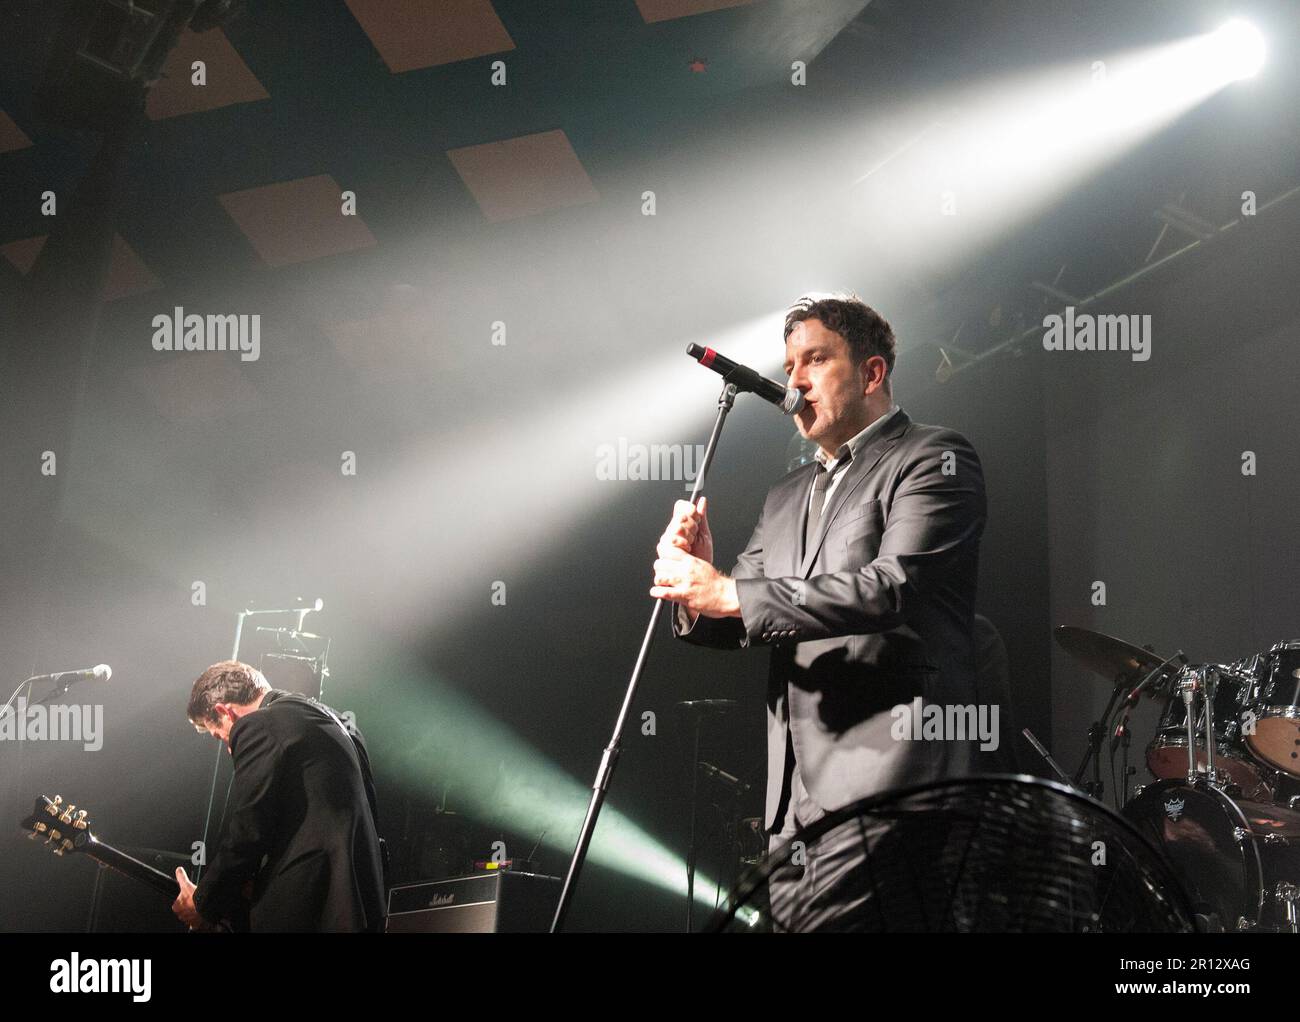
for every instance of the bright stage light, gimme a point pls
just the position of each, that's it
(965, 167)
(1239, 46)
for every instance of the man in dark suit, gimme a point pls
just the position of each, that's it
(861, 576)
(301, 851)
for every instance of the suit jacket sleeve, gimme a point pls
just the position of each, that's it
(725, 632)
(258, 753)
(932, 520)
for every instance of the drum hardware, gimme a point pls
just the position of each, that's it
(1203, 736)
(1287, 895)
(1293, 802)
(1188, 686)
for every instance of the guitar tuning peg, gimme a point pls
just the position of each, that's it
(80, 822)
(66, 815)
(53, 807)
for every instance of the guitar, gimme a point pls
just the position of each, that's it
(67, 829)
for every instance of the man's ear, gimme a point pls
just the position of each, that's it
(870, 367)
(866, 369)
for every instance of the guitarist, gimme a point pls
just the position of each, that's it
(302, 837)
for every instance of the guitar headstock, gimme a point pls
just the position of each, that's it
(64, 827)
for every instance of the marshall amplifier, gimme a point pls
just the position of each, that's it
(496, 902)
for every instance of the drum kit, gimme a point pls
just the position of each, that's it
(1224, 807)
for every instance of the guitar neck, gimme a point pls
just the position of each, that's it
(66, 829)
(125, 864)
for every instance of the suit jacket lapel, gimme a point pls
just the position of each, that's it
(859, 468)
(784, 550)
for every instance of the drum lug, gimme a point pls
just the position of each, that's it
(1288, 896)
(1139, 788)
(1293, 802)
(1239, 834)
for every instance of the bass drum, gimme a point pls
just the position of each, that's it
(1237, 860)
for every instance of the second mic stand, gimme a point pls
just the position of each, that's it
(610, 757)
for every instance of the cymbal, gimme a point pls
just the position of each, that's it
(1105, 655)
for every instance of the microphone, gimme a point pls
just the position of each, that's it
(100, 672)
(708, 705)
(788, 399)
(718, 774)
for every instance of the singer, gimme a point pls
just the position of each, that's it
(303, 829)
(860, 575)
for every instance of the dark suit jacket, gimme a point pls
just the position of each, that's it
(302, 824)
(877, 612)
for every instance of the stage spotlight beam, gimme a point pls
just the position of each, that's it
(1240, 48)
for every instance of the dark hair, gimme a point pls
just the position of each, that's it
(865, 330)
(226, 682)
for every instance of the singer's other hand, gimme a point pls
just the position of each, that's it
(695, 584)
(688, 532)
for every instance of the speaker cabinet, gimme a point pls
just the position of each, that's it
(496, 902)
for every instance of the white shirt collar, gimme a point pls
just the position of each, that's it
(854, 444)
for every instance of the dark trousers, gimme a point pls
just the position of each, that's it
(826, 883)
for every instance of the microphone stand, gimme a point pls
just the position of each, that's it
(700, 708)
(1096, 736)
(1101, 727)
(610, 757)
(693, 850)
